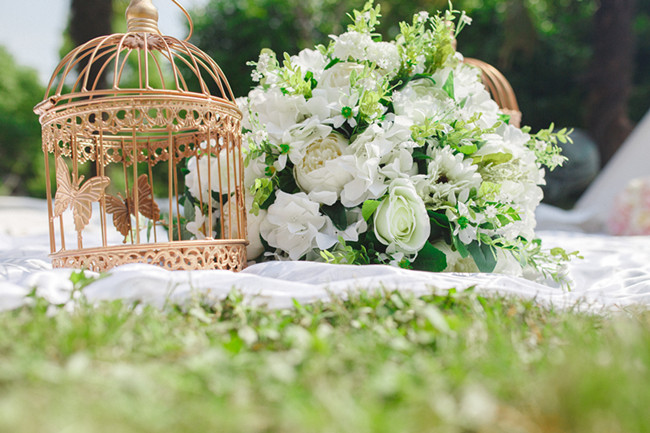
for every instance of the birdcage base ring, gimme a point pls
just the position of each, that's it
(186, 255)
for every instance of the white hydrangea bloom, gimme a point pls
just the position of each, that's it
(422, 99)
(277, 111)
(351, 45)
(386, 56)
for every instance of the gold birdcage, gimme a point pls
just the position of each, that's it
(120, 151)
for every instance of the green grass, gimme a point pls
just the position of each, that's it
(376, 363)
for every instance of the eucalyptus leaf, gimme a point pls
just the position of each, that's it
(460, 246)
(484, 256)
(430, 259)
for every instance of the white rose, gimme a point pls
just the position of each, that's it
(401, 220)
(292, 224)
(325, 168)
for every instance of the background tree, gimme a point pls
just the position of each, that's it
(545, 48)
(21, 166)
(610, 75)
(552, 51)
(88, 20)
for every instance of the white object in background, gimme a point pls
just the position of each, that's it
(592, 211)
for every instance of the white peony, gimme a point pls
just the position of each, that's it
(325, 168)
(292, 223)
(300, 136)
(401, 220)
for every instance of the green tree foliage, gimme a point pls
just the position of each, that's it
(21, 161)
(543, 47)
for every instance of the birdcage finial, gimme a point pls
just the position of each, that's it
(142, 16)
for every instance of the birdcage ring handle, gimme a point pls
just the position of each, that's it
(189, 20)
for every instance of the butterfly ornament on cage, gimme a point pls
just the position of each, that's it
(77, 195)
(122, 208)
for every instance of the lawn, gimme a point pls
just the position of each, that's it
(457, 362)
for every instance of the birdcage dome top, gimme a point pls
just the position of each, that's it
(141, 63)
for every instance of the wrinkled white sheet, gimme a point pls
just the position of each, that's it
(615, 273)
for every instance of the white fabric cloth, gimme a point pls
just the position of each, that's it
(614, 273)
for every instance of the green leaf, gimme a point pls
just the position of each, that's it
(430, 259)
(369, 207)
(460, 246)
(467, 149)
(439, 219)
(418, 154)
(268, 202)
(336, 213)
(332, 63)
(484, 256)
(504, 220)
(448, 87)
(493, 158)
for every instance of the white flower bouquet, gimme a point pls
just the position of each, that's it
(366, 151)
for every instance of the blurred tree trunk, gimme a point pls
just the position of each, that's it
(610, 76)
(90, 19)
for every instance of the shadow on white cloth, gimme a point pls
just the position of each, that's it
(615, 271)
